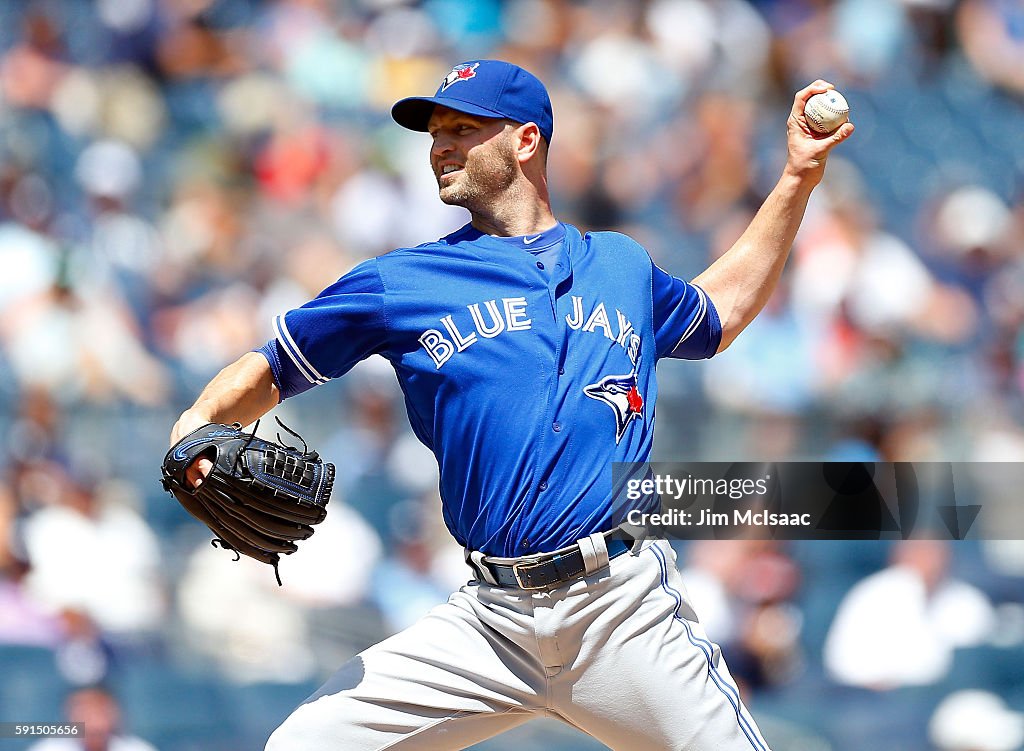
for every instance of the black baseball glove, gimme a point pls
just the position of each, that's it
(259, 498)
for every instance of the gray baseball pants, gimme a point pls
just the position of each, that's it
(619, 655)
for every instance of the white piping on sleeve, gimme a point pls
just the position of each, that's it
(310, 373)
(702, 310)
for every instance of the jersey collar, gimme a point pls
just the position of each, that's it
(480, 244)
(536, 241)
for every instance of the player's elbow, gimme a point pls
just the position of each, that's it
(735, 312)
(729, 334)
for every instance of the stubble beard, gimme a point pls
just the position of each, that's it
(483, 180)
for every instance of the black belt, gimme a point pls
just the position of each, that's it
(545, 571)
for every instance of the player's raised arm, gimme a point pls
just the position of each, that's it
(740, 282)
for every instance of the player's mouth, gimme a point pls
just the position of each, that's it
(448, 169)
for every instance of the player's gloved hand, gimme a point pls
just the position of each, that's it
(256, 496)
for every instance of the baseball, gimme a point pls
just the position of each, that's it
(826, 112)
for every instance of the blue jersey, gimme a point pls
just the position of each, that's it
(527, 364)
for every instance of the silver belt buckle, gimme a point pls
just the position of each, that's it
(519, 580)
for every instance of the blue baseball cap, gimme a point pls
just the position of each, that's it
(488, 88)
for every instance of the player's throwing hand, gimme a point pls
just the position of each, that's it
(809, 149)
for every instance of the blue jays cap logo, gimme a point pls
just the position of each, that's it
(621, 393)
(460, 73)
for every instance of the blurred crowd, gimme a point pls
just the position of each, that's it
(173, 173)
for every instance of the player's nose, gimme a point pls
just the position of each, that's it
(443, 144)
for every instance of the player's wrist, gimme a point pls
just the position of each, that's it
(189, 420)
(800, 177)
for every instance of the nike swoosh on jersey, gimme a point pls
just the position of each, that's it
(531, 240)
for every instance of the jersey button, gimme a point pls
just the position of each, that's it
(543, 485)
(540, 265)
(557, 427)
(561, 371)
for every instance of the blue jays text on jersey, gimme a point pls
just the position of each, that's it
(527, 365)
(511, 315)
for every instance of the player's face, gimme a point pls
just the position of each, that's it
(473, 158)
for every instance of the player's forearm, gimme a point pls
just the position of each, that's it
(742, 280)
(241, 392)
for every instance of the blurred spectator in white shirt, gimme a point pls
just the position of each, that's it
(975, 720)
(900, 626)
(92, 552)
(237, 617)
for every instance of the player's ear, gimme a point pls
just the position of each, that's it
(528, 142)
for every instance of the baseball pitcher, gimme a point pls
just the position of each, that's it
(526, 350)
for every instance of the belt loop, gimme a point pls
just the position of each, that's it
(475, 559)
(595, 552)
(639, 535)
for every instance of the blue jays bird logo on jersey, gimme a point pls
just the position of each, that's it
(621, 393)
(460, 73)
